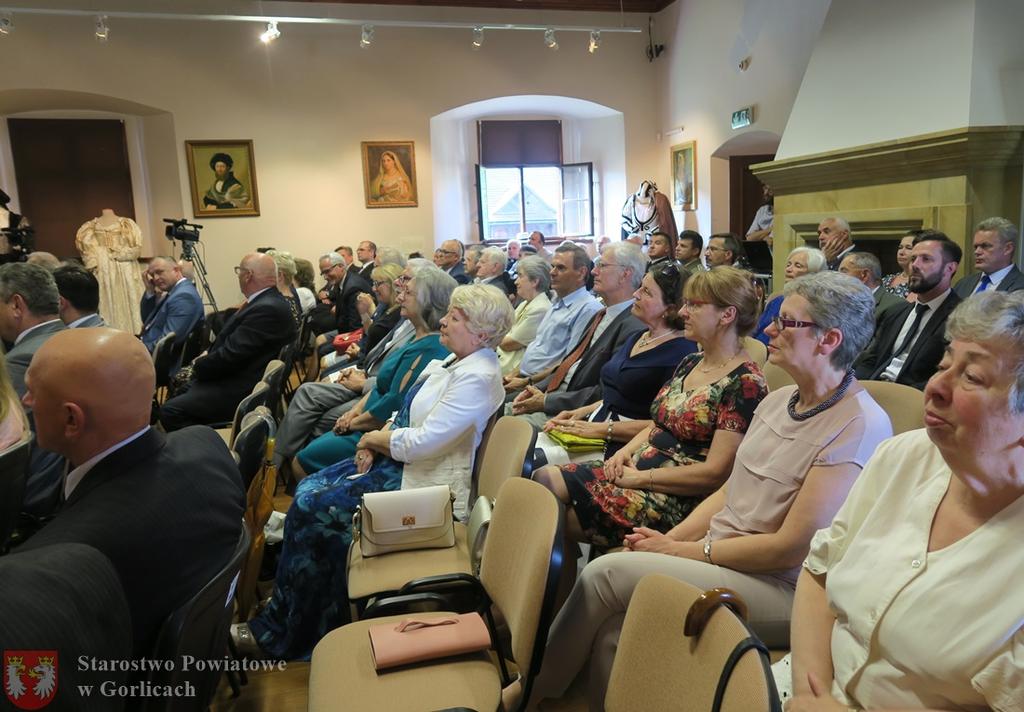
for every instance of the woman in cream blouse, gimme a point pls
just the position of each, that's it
(533, 279)
(911, 599)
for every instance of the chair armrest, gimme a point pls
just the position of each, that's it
(413, 603)
(443, 582)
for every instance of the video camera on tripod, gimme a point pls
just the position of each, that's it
(20, 241)
(188, 234)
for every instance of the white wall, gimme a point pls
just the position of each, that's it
(997, 71)
(308, 100)
(701, 85)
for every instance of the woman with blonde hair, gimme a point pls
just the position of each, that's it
(13, 423)
(286, 269)
(392, 184)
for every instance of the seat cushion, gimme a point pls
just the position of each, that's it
(225, 434)
(389, 572)
(342, 676)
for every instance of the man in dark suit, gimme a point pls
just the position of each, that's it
(835, 241)
(910, 339)
(366, 251)
(865, 268)
(166, 510)
(251, 338)
(994, 242)
(29, 316)
(179, 308)
(575, 381)
(449, 257)
(79, 296)
(346, 297)
(491, 268)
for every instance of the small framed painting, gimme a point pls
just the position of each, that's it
(684, 176)
(389, 174)
(222, 175)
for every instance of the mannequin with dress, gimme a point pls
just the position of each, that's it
(648, 211)
(110, 246)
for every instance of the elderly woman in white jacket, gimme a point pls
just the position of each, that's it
(432, 440)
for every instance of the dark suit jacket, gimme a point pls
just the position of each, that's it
(585, 385)
(923, 358)
(251, 338)
(346, 311)
(458, 273)
(20, 355)
(179, 312)
(366, 272)
(1013, 281)
(166, 510)
(883, 300)
(502, 282)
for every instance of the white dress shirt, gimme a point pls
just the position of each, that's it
(892, 371)
(995, 278)
(26, 332)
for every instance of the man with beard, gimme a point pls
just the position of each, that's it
(910, 339)
(761, 227)
(227, 192)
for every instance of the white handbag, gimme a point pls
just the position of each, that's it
(405, 519)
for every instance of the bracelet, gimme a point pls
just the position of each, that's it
(608, 434)
(707, 548)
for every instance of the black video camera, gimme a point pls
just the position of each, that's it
(182, 230)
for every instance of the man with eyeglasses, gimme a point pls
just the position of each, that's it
(723, 249)
(910, 339)
(449, 257)
(344, 286)
(250, 339)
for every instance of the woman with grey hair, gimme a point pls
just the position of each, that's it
(533, 280)
(424, 294)
(803, 451)
(389, 255)
(802, 260)
(431, 441)
(936, 542)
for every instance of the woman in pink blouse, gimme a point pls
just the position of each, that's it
(804, 448)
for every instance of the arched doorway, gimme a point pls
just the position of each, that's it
(736, 192)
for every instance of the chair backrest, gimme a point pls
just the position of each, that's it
(198, 629)
(196, 341)
(658, 668)
(13, 466)
(257, 397)
(257, 427)
(521, 565)
(775, 377)
(274, 375)
(504, 454)
(903, 404)
(756, 350)
(259, 505)
(163, 354)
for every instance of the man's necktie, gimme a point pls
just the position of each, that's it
(985, 283)
(568, 361)
(919, 310)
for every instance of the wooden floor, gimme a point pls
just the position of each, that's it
(276, 691)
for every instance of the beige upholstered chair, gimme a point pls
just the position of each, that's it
(776, 377)
(903, 404)
(520, 572)
(502, 457)
(257, 397)
(667, 661)
(757, 351)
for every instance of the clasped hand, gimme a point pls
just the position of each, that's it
(820, 699)
(531, 400)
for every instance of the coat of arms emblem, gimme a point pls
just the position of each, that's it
(30, 677)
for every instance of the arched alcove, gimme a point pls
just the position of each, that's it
(748, 143)
(150, 139)
(591, 132)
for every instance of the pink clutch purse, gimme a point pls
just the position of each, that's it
(414, 640)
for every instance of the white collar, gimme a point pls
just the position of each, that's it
(256, 294)
(76, 475)
(79, 320)
(27, 331)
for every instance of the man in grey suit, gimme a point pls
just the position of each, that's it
(994, 242)
(865, 267)
(29, 316)
(79, 296)
(575, 381)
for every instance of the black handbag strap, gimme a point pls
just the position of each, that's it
(774, 705)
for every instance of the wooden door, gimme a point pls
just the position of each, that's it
(744, 192)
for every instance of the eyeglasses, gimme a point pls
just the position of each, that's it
(403, 279)
(598, 264)
(239, 270)
(693, 303)
(445, 252)
(783, 324)
(714, 248)
(381, 282)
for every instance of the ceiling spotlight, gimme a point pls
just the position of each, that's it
(367, 39)
(271, 33)
(549, 38)
(595, 41)
(478, 37)
(6, 23)
(102, 31)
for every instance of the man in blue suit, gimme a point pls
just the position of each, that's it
(180, 309)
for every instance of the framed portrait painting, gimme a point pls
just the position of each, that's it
(684, 176)
(222, 175)
(389, 174)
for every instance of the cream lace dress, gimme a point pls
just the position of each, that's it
(111, 252)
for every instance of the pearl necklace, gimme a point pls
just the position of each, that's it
(824, 405)
(647, 339)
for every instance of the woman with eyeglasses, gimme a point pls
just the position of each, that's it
(801, 261)
(685, 446)
(803, 451)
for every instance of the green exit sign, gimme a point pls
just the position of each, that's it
(743, 117)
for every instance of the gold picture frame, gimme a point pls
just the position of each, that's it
(222, 178)
(389, 174)
(684, 176)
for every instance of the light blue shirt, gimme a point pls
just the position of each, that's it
(561, 328)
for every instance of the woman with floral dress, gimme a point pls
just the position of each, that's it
(698, 420)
